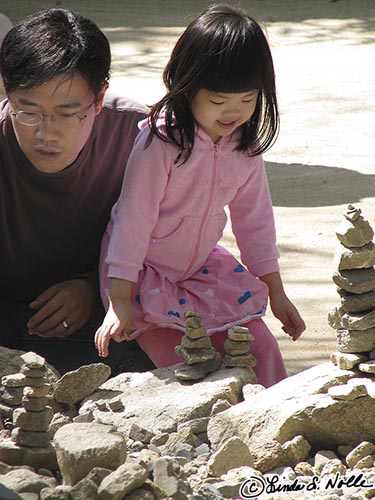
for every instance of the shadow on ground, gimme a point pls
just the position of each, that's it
(179, 12)
(296, 185)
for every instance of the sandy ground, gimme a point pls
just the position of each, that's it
(324, 158)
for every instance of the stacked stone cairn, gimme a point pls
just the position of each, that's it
(237, 347)
(354, 317)
(196, 350)
(31, 422)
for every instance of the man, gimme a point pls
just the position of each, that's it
(63, 151)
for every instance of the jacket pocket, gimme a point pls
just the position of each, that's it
(175, 248)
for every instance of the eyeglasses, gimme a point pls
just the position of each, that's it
(32, 118)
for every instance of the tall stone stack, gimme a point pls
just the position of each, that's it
(196, 350)
(237, 347)
(32, 420)
(354, 316)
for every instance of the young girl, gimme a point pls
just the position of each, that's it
(199, 152)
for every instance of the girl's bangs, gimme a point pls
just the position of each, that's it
(234, 74)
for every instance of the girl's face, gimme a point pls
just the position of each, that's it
(219, 114)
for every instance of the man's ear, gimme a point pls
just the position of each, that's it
(99, 101)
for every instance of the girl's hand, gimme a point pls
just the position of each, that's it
(116, 325)
(286, 312)
(282, 307)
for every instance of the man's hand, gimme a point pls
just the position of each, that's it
(63, 309)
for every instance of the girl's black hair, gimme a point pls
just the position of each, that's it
(222, 50)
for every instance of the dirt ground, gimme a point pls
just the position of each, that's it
(324, 158)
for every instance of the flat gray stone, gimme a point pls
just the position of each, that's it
(299, 405)
(80, 447)
(33, 360)
(84, 490)
(193, 321)
(352, 303)
(36, 404)
(14, 380)
(32, 439)
(296, 450)
(355, 280)
(33, 420)
(240, 333)
(196, 333)
(157, 400)
(359, 452)
(346, 360)
(194, 355)
(347, 391)
(167, 477)
(24, 480)
(11, 395)
(355, 233)
(354, 258)
(198, 371)
(367, 366)
(355, 341)
(229, 484)
(236, 347)
(338, 318)
(34, 372)
(199, 343)
(231, 454)
(37, 392)
(76, 385)
(13, 454)
(244, 360)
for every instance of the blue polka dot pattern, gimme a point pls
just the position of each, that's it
(244, 297)
(173, 313)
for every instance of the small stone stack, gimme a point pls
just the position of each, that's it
(354, 317)
(32, 420)
(11, 393)
(196, 350)
(237, 346)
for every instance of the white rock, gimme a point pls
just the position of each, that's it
(81, 447)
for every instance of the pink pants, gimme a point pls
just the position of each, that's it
(159, 345)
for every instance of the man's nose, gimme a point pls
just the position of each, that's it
(47, 129)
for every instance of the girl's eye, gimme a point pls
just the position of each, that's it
(217, 102)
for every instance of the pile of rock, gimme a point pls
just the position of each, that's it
(196, 350)
(354, 317)
(237, 346)
(31, 422)
(27, 440)
(171, 440)
(195, 461)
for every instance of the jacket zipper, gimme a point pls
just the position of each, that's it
(206, 211)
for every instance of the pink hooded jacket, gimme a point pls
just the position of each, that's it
(171, 216)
